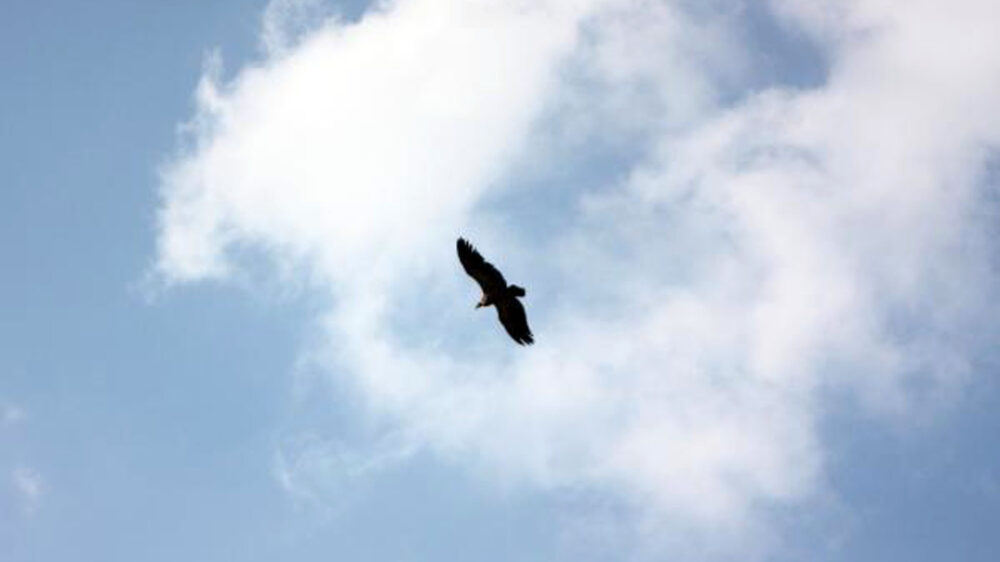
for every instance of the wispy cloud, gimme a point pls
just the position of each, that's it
(751, 251)
(29, 486)
(327, 473)
(285, 22)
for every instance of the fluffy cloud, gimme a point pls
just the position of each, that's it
(737, 254)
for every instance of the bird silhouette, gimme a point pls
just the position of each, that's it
(496, 292)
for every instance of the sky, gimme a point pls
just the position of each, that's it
(758, 238)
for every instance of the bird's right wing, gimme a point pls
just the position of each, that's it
(491, 280)
(514, 320)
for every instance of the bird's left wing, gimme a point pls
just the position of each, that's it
(488, 277)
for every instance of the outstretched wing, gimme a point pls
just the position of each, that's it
(514, 320)
(491, 281)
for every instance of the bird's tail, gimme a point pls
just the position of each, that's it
(516, 291)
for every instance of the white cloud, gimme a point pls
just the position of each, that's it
(420, 100)
(327, 473)
(29, 486)
(691, 317)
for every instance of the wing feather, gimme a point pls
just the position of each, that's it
(488, 277)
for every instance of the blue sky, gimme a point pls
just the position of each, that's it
(759, 243)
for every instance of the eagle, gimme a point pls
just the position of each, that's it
(496, 292)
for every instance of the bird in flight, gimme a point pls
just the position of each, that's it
(496, 292)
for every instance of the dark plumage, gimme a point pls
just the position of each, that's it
(496, 292)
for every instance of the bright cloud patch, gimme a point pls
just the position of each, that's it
(758, 248)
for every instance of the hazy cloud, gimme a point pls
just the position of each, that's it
(11, 415)
(28, 484)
